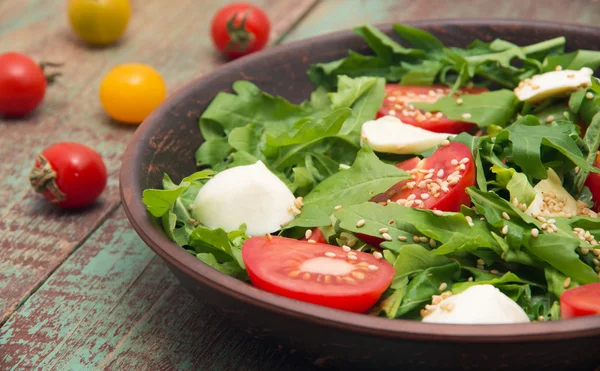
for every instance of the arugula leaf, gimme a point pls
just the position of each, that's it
(229, 268)
(559, 252)
(386, 48)
(591, 141)
(422, 74)
(309, 129)
(426, 284)
(489, 279)
(516, 183)
(474, 143)
(528, 138)
(485, 109)
(367, 177)
(158, 201)
(573, 61)
(420, 39)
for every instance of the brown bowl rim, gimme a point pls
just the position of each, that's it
(131, 194)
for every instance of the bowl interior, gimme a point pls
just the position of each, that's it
(167, 140)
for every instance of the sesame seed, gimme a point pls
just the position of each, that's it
(535, 232)
(567, 282)
(423, 239)
(462, 167)
(402, 238)
(480, 262)
(308, 233)
(344, 167)
(373, 267)
(494, 271)
(445, 142)
(377, 255)
(459, 101)
(505, 229)
(464, 160)
(550, 118)
(541, 318)
(391, 98)
(424, 196)
(330, 254)
(505, 215)
(454, 162)
(443, 286)
(470, 279)
(360, 223)
(384, 230)
(311, 241)
(268, 236)
(352, 257)
(338, 207)
(466, 116)
(432, 243)
(558, 68)
(392, 112)
(438, 212)
(589, 95)
(571, 75)
(346, 248)
(469, 219)
(411, 197)
(440, 173)
(386, 236)
(416, 238)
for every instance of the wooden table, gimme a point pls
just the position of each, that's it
(80, 290)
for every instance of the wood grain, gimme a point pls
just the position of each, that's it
(335, 15)
(35, 238)
(114, 305)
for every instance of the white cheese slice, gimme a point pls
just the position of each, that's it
(389, 134)
(479, 304)
(551, 187)
(249, 194)
(554, 83)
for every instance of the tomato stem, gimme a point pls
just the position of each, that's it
(50, 77)
(42, 179)
(240, 38)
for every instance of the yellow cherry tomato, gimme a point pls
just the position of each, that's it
(129, 92)
(99, 22)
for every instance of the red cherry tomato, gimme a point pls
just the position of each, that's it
(240, 29)
(580, 301)
(593, 183)
(438, 181)
(316, 273)
(69, 174)
(397, 103)
(22, 84)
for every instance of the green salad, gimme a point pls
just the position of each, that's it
(425, 182)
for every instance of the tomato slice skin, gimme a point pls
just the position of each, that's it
(281, 266)
(580, 301)
(593, 183)
(316, 235)
(398, 103)
(440, 166)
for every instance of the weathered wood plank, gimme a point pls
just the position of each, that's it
(335, 15)
(115, 305)
(172, 36)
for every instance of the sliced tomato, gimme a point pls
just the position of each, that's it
(580, 301)
(398, 103)
(438, 181)
(316, 273)
(593, 183)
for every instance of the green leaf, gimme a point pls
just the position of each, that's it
(158, 201)
(559, 252)
(247, 138)
(367, 177)
(485, 109)
(528, 137)
(491, 279)
(423, 74)
(426, 284)
(516, 183)
(418, 38)
(591, 141)
(229, 268)
(386, 48)
(309, 129)
(364, 106)
(573, 61)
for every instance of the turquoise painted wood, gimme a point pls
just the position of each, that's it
(171, 36)
(80, 290)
